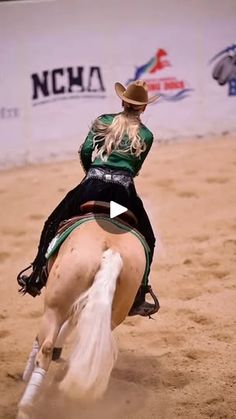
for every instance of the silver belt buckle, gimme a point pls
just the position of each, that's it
(107, 176)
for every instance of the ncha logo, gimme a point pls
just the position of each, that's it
(68, 82)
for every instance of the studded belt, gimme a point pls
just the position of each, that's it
(110, 175)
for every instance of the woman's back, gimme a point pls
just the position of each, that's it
(121, 156)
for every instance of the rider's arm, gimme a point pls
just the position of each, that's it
(148, 141)
(85, 151)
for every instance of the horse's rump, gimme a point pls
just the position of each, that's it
(93, 279)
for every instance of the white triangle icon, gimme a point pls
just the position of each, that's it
(116, 209)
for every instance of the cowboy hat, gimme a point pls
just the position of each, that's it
(136, 93)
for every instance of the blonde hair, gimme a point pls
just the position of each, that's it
(126, 123)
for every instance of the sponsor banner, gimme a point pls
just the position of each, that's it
(57, 75)
(67, 83)
(169, 87)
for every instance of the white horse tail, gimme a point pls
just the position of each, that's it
(95, 351)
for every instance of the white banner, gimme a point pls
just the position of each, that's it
(60, 60)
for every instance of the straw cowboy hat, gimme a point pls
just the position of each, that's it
(136, 93)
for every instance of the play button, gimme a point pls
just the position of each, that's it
(105, 216)
(116, 209)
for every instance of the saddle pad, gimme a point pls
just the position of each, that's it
(60, 238)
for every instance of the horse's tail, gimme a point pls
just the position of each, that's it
(95, 350)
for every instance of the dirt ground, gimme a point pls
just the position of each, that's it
(182, 364)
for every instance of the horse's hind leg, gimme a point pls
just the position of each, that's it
(51, 324)
(31, 361)
(65, 331)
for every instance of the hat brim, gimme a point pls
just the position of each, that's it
(120, 89)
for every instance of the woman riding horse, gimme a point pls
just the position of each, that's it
(111, 155)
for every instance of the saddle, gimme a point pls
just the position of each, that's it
(91, 208)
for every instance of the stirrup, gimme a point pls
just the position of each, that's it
(21, 278)
(24, 282)
(154, 297)
(144, 308)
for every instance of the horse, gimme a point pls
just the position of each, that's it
(92, 283)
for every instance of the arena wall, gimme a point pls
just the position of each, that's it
(60, 59)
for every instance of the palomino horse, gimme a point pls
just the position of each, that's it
(92, 284)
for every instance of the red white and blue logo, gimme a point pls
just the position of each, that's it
(224, 70)
(168, 87)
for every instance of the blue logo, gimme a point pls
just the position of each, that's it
(224, 70)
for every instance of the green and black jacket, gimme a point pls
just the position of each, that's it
(117, 159)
